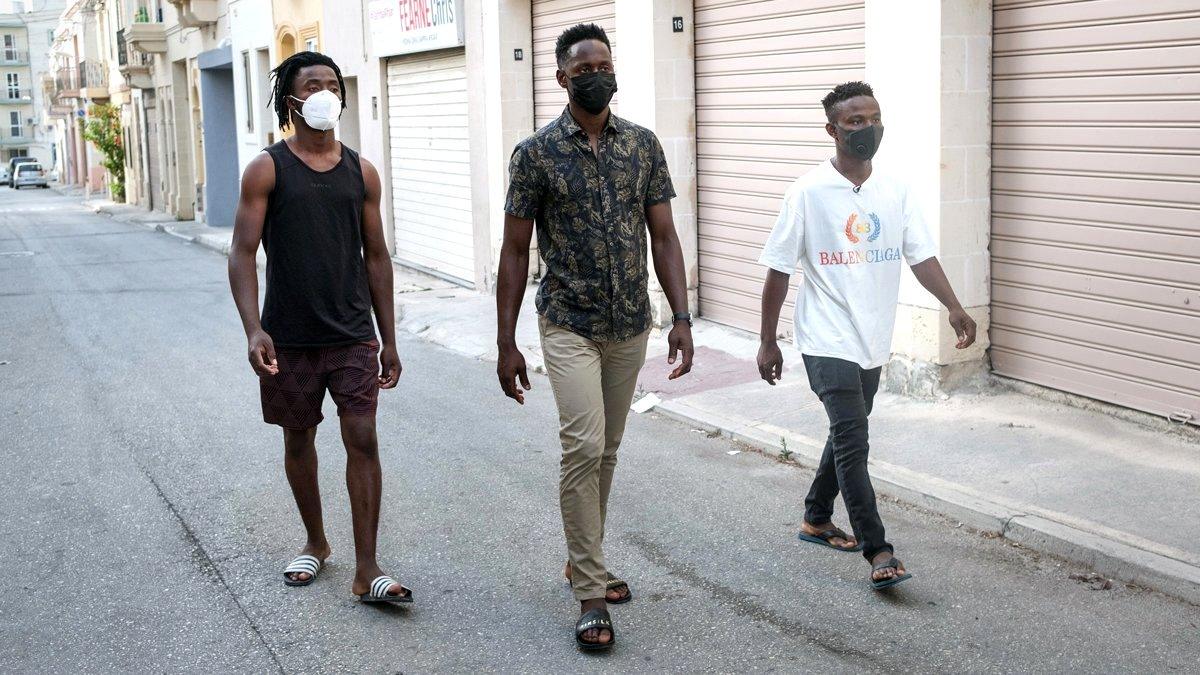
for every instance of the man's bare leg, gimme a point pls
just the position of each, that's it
(364, 480)
(300, 464)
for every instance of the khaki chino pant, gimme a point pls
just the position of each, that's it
(593, 385)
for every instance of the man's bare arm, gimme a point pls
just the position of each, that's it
(510, 289)
(770, 357)
(257, 183)
(379, 277)
(668, 265)
(933, 278)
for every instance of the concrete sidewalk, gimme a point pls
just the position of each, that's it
(1082, 484)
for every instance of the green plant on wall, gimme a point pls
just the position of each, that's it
(103, 128)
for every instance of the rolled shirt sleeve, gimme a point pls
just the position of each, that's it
(524, 185)
(918, 244)
(659, 188)
(786, 243)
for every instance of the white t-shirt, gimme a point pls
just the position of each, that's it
(849, 246)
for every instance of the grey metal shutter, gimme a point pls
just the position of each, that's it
(762, 69)
(1096, 200)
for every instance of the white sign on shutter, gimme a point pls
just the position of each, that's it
(410, 26)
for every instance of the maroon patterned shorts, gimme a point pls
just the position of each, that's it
(293, 397)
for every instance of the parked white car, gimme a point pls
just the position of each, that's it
(12, 168)
(30, 174)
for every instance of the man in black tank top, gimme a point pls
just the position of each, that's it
(313, 204)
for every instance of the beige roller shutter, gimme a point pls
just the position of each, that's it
(430, 155)
(1096, 200)
(762, 69)
(550, 19)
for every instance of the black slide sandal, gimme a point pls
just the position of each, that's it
(594, 619)
(615, 584)
(823, 538)
(890, 563)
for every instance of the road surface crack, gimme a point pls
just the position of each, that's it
(207, 566)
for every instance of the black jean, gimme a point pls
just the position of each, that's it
(847, 391)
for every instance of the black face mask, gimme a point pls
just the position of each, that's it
(863, 143)
(592, 91)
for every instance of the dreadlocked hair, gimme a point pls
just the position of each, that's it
(844, 92)
(284, 76)
(574, 35)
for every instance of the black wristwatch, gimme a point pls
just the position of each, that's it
(682, 316)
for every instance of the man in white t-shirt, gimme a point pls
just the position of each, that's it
(848, 230)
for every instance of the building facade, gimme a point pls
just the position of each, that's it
(1032, 132)
(1065, 224)
(80, 66)
(17, 117)
(26, 37)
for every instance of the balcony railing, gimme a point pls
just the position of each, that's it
(133, 64)
(14, 57)
(122, 50)
(88, 75)
(92, 75)
(66, 82)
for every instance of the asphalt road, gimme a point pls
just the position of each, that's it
(146, 516)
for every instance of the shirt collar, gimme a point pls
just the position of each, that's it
(571, 127)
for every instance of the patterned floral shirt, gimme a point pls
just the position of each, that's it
(590, 213)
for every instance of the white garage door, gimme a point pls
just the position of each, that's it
(762, 69)
(550, 19)
(1095, 194)
(431, 168)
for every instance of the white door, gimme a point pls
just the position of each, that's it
(430, 162)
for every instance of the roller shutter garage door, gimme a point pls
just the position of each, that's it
(1096, 200)
(762, 69)
(550, 19)
(430, 161)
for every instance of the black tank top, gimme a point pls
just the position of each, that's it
(317, 293)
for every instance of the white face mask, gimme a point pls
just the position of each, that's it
(321, 110)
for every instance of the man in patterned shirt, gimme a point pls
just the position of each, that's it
(595, 184)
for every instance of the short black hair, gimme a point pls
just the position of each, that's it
(576, 34)
(844, 92)
(285, 74)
